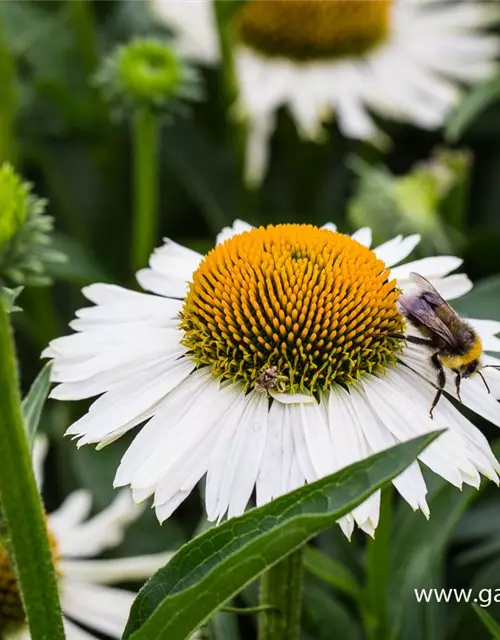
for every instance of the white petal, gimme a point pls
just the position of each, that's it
(113, 377)
(192, 429)
(410, 483)
(74, 632)
(250, 455)
(258, 137)
(195, 27)
(292, 398)
(104, 609)
(487, 330)
(354, 120)
(85, 355)
(363, 236)
(103, 531)
(244, 424)
(75, 508)
(435, 267)
(448, 456)
(397, 249)
(316, 437)
(174, 408)
(39, 453)
(238, 226)
(116, 570)
(269, 478)
(330, 226)
(171, 268)
(454, 286)
(130, 403)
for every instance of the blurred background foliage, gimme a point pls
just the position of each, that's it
(60, 134)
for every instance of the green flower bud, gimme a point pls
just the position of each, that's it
(147, 73)
(13, 203)
(25, 229)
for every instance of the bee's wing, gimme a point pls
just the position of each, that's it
(447, 314)
(422, 312)
(430, 293)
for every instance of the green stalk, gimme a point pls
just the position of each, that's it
(280, 595)
(8, 101)
(82, 17)
(21, 505)
(229, 79)
(146, 152)
(377, 572)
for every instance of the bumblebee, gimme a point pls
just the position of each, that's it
(455, 344)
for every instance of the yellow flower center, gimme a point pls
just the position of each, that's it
(11, 606)
(313, 29)
(293, 308)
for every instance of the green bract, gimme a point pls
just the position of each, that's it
(146, 73)
(25, 229)
(14, 195)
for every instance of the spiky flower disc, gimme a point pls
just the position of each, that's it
(316, 306)
(305, 30)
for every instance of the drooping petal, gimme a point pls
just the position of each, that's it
(104, 609)
(113, 571)
(79, 539)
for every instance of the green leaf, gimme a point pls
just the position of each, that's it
(489, 622)
(34, 402)
(475, 102)
(482, 301)
(332, 572)
(212, 568)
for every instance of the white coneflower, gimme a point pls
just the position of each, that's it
(402, 59)
(86, 598)
(266, 364)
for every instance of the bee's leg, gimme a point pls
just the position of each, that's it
(426, 342)
(441, 381)
(458, 379)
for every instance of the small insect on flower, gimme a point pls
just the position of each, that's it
(267, 380)
(455, 344)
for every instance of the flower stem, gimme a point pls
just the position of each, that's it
(8, 101)
(378, 568)
(230, 80)
(281, 589)
(21, 505)
(146, 151)
(82, 18)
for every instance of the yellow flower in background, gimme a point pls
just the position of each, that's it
(86, 597)
(268, 363)
(401, 59)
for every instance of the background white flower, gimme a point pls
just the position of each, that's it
(401, 59)
(86, 597)
(140, 352)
